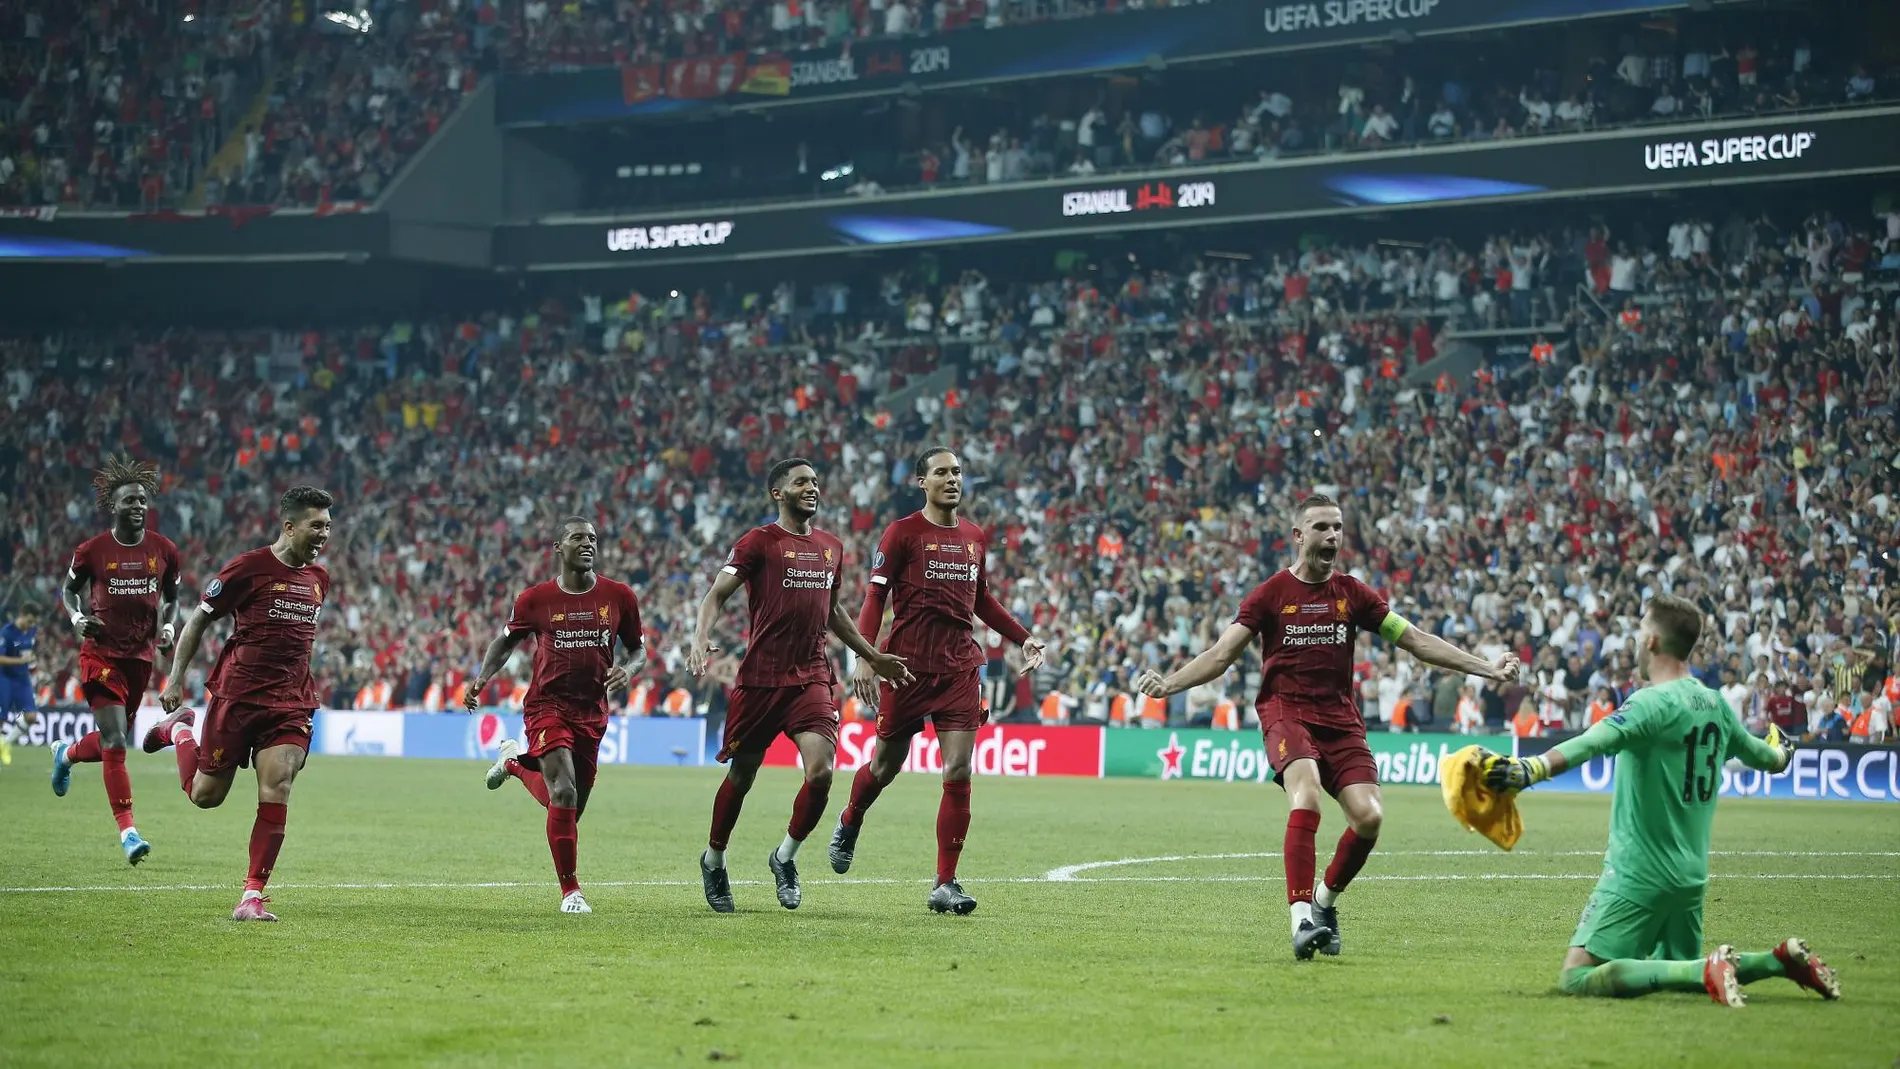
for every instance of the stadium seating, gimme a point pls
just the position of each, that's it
(1714, 429)
(235, 103)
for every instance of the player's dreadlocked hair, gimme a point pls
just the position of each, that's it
(122, 471)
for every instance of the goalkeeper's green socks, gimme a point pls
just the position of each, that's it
(1752, 967)
(1628, 977)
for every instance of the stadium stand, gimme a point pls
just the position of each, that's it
(1530, 83)
(1713, 413)
(135, 107)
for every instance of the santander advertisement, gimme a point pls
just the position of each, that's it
(1001, 750)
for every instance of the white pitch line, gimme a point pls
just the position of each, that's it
(1070, 873)
(1049, 877)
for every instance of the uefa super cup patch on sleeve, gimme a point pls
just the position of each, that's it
(214, 588)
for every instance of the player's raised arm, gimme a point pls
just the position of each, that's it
(724, 585)
(497, 656)
(173, 695)
(1212, 663)
(168, 605)
(1438, 653)
(78, 577)
(889, 560)
(1003, 622)
(884, 665)
(633, 646)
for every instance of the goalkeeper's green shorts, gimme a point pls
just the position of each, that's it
(1615, 927)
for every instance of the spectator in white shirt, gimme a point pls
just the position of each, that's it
(1536, 109)
(1573, 111)
(1443, 123)
(1666, 103)
(1381, 126)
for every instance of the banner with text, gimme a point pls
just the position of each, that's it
(1001, 750)
(1179, 33)
(1832, 771)
(1660, 158)
(1201, 753)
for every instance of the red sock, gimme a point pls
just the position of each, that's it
(267, 837)
(85, 751)
(1298, 854)
(808, 809)
(118, 785)
(530, 779)
(1348, 859)
(725, 814)
(864, 790)
(953, 823)
(563, 843)
(187, 754)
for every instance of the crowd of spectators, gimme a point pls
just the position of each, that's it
(1133, 435)
(1455, 91)
(110, 104)
(594, 33)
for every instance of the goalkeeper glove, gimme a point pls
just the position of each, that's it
(1503, 773)
(1783, 743)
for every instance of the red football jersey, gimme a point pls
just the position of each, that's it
(126, 584)
(935, 576)
(267, 659)
(1307, 633)
(574, 643)
(789, 579)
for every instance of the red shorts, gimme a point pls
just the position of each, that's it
(757, 715)
(1342, 754)
(950, 700)
(232, 733)
(117, 681)
(552, 729)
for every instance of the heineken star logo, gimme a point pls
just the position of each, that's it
(1171, 757)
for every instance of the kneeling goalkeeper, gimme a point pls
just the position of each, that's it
(1642, 928)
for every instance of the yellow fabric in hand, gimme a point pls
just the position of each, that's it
(1477, 807)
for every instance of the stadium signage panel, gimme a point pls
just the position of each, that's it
(1721, 151)
(636, 740)
(1145, 196)
(1289, 18)
(1001, 750)
(1825, 771)
(1240, 756)
(1851, 142)
(668, 236)
(1121, 41)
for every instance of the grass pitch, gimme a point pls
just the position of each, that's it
(1121, 923)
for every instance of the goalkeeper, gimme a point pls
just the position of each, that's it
(1642, 928)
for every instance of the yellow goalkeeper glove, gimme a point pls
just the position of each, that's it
(1503, 773)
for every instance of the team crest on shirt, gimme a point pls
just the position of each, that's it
(827, 556)
(317, 590)
(152, 563)
(602, 611)
(971, 548)
(1339, 609)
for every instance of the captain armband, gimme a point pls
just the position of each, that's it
(1393, 626)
